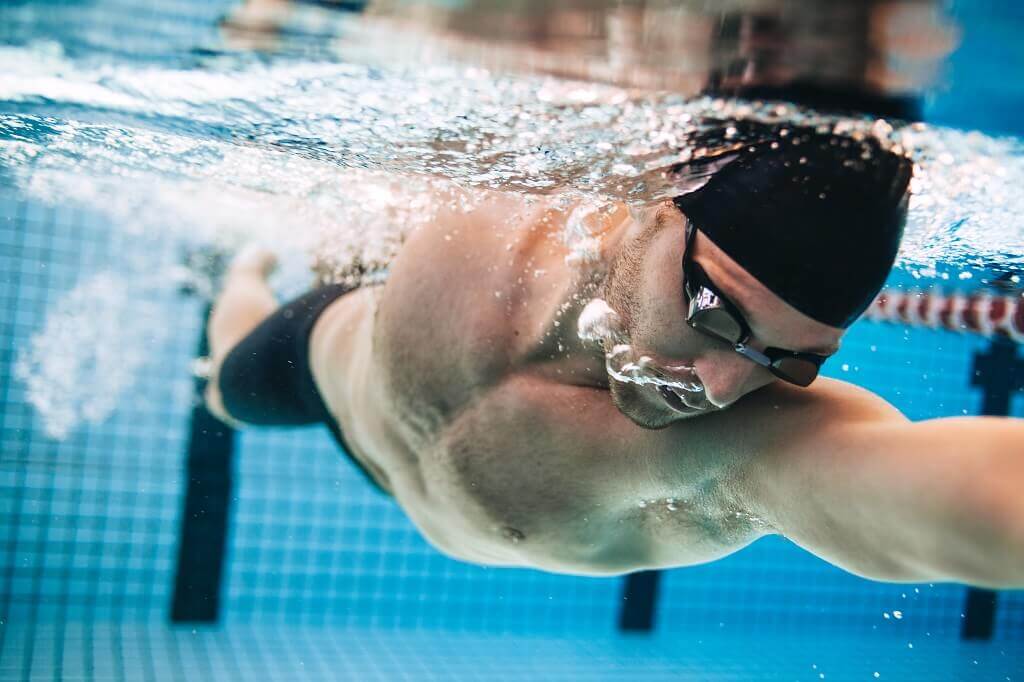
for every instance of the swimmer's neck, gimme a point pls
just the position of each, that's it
(559, 352)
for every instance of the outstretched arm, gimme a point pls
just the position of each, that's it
(834, 468)
(856, 484)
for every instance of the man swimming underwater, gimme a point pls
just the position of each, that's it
(659, 407)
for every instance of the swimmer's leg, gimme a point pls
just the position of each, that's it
(261, 350)
(244, 302)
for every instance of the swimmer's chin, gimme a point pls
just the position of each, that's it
(636, 404)
(658, 422)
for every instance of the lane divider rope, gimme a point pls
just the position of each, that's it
(982, 313)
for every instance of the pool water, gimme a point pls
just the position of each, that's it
(133, 143)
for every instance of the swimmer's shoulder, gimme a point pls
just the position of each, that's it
(583, 421)
(826, 398)
(783, 421)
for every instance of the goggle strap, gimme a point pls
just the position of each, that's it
(753, 354)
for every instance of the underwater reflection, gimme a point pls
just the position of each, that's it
(884, 48)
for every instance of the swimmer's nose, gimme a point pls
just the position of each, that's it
(727, 379)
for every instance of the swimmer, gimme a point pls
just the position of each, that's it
(463, 386)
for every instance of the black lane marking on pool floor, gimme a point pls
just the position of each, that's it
(204, 520)
(999, 373)
(639, 599)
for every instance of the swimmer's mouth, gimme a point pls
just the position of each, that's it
(675, 401)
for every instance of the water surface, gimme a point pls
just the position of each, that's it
(323, 133)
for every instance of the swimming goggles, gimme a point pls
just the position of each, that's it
(713, 314)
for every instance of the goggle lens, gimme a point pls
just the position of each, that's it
(718, 322)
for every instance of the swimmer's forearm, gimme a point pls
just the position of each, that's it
(936, 500)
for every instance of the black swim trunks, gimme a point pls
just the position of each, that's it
(266, 379)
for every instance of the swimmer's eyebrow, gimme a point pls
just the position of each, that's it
(830, 349)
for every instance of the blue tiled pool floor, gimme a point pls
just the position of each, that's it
(122, 651)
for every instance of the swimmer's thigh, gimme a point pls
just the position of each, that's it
(266, 378)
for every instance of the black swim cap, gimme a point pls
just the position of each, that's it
(817, 218)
